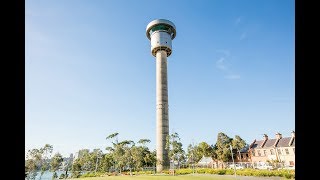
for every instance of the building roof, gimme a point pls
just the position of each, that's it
(244, 150)
(270, 143)
(283, 142)
(205, 160)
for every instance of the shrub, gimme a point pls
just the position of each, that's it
(221, 171)
(62, 176)
(143, 172)
(92, 174)
(76, 174)
(183, 171)
(241, 172)
(201, 171)
(165, 171)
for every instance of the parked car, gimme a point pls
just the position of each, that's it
(238, 166)
(264, 166)
(288, 167)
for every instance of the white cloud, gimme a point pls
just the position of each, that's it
(237, 23)
(221, 64)
(232, 76)
(243, 36)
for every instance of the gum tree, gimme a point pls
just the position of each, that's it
(174, 148)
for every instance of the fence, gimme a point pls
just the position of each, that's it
(243, 165)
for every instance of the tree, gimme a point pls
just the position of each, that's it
(106, 162)
(238, 143)
(31, 169)
(85, 160)
(120, 151)
(46, 154)
(204, 149)
(37, 160)
(76, 168)
(122, 154)
(196, 152)
(192, 154)
(137, 156)
(83, 152)
(144, 141)
(113, 135)
(33, 163)
(141, 154)
(150, 158)
(69, 164)
(96, 154)
(128, 155)
(56, 162)
(174, 148)
(222, 147)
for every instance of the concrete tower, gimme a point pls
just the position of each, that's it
(161, 32)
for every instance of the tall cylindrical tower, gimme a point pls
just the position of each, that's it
(161, 32)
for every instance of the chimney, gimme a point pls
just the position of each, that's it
(265, 137)
(293, 135)
(278, 137)
(251, 145)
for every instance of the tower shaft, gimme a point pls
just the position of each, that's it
(162, 123)
(161, 32)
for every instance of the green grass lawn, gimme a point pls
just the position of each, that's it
(164, 177)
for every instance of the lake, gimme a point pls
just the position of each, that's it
(47, 175)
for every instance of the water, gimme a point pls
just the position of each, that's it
(47, 175)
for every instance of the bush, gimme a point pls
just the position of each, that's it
(183, 171)
(76, 174)
(92, 174)
(165, 171)
(221, 171)
(289, 176)
(62, 176)
(142, 172)
(242, 172)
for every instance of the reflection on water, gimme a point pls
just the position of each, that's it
(47, 175)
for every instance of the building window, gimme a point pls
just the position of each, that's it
(265, 152)
(259, 154)
(271, 151)
(247, 155)
(291, 163)
(279, 151)
(287, 151)
(253, 153)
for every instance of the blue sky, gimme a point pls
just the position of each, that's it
(90, 72)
